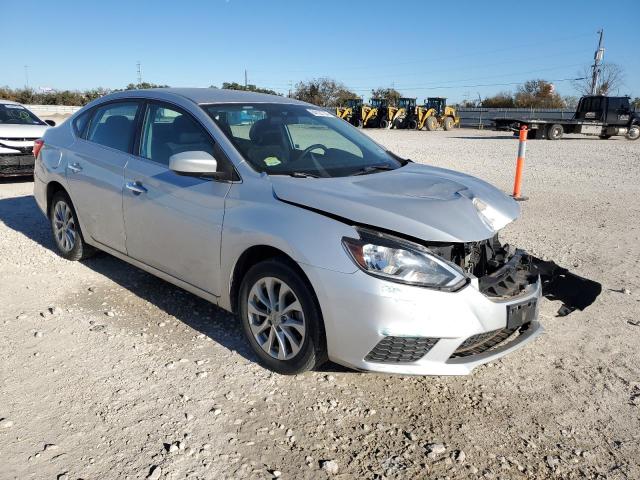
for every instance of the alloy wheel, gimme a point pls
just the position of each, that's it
(64, 226)
(276, 318)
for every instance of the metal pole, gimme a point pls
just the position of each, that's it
(26, 77)
(597, 60)
(245, 78)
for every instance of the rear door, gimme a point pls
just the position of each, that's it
(95, 171)
(173, 222)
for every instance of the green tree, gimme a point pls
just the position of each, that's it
(391, 94)
(248, 88)
(636, 103)
(538, 94)
(324, 92)
(500, 100)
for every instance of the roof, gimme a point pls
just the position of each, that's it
(212, 95)
(10, 102)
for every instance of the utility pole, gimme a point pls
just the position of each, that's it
(139, 73)
(26, 76)
(597, 61)
(290, 87)
(245, 79)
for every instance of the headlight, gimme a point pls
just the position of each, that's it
(402, 261)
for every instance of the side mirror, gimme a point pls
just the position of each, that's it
(196, 164)
(51, 123)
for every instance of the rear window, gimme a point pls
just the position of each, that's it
(113, 125)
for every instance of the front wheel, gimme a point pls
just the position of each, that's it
(413, 125)
(66, 229)
(384, 123)
(281, 319)
(555, 132)
(432, 123)
(448, 123)
(633, 133)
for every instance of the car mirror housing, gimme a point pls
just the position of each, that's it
(51, 123)
(194, 163)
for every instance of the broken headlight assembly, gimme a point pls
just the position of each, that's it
(402, 261)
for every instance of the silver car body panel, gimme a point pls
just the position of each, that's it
(192, 232)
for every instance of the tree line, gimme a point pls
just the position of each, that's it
(328, 92)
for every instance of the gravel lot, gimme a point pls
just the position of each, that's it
(107, 372)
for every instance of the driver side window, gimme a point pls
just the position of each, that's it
(167, 131)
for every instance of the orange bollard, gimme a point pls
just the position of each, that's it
(522, 147)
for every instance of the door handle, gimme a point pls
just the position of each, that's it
(75, 167)
(136, 188)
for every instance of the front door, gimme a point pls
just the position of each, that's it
(173, 222)
(95, 171)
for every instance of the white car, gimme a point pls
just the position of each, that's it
(19, 128)
(325, 244)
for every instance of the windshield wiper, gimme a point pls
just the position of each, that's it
(303, 175)
(371, 169)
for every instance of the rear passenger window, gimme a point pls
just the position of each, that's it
(113, 125)
(80, 123)
(167, 131)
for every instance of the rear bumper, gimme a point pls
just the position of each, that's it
(16, 165)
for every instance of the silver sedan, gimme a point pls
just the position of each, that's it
(326, 245)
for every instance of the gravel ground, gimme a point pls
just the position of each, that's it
(107, 372)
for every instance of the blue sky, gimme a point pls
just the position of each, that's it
(459, 49)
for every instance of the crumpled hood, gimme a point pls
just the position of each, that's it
(429, 203)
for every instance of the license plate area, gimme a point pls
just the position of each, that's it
(521, 313)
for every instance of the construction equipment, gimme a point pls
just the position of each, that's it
(377, 114)
(436, 114)
(405, 116)
(351, 112)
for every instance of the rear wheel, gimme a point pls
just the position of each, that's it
(448, 123)
(633, 133)
(66, 229)
(555, 132)
(432, 123)
(384, 123)
(413, 124)
(281, 319)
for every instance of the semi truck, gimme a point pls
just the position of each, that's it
(597, 115)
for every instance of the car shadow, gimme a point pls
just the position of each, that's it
(23, 215)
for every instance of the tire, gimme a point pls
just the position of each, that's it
(605, 137)
(432, 123)
(555, 132)
(384, 123)
(65, 229)
(412, 125)
(286, 343)
(633, 133)
(448, 123)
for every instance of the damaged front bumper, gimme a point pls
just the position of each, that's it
(376, 325)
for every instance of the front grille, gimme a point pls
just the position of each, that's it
(484, 341)
(401, 349)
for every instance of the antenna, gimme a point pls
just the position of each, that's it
(139, 65)
(597, 61)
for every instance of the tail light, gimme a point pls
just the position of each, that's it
(37, 146)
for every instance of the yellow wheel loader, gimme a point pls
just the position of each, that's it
(406, 115)
(351, 112)
(377, 114)
(435, 114)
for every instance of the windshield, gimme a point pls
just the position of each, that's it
(282, 139)
(17, 115)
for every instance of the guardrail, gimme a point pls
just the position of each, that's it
(53, 109)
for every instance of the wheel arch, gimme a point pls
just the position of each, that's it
(52, 188)
(254, 255)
